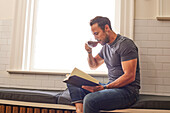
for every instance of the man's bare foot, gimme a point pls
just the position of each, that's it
(79, 107)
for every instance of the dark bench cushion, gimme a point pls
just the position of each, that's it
(63, 97)
(152, 102)
(54, 97)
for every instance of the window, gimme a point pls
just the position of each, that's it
(55, 32)
(62, 28)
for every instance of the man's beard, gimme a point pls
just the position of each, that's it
(106, 40)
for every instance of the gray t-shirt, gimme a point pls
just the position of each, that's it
(122, 49)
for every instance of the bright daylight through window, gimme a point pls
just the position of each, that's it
(61, 30)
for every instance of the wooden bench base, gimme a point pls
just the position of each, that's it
(9, 106)
(138, 111)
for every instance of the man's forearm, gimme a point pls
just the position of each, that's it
(91, 61)
(122, 81)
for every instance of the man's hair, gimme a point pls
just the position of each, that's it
(102, 21)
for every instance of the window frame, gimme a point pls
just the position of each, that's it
(124, 24)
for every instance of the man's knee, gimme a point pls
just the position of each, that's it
(89, 104)
(90, 100)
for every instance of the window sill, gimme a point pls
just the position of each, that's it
(99, 74)
(163, 18)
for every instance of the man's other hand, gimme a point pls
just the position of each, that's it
(93, 88)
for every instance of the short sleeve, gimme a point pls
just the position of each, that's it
(101, 53)
(128, 50)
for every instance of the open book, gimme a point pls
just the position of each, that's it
(79, 78)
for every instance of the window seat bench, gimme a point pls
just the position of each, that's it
(36, 101)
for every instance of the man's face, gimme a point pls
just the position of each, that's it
(101, 36)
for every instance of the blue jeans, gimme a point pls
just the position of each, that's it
(108, 99)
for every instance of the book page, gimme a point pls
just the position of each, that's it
(84, 75)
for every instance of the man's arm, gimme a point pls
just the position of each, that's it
(94, 62)
(129, 68)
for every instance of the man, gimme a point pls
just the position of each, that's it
(120, 55)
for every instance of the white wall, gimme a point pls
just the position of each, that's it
(166, 8)
(153, 40)
(145, 9)
(7, 9)
(149, 9)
